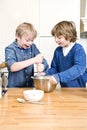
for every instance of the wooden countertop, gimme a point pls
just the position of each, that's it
(65, 109)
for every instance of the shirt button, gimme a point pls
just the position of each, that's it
(26, 77)
(26, 70)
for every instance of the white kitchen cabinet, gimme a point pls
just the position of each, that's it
(53, 11)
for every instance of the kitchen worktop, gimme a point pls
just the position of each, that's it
(64, 109)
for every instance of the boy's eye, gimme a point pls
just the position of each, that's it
(28, 40)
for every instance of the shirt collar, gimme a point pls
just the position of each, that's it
(68, 48)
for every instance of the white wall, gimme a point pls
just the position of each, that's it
(43, 14)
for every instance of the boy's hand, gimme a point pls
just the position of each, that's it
(52, 80)
(38, 58)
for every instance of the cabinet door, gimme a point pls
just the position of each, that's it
(53, 11)
(47, 47)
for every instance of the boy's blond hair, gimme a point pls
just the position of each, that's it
(26, 29)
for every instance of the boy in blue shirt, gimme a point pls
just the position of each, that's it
(68, 65)
(21, 56)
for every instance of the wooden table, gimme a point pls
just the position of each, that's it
(65, 109)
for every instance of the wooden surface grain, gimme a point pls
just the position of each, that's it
(64, 109)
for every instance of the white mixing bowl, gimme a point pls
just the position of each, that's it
(33, 95)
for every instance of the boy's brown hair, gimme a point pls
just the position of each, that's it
(65, 28)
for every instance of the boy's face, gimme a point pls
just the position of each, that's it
(62, 41)
(25, 41)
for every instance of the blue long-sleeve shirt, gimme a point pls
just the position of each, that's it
(69, 70)
(21, 78)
